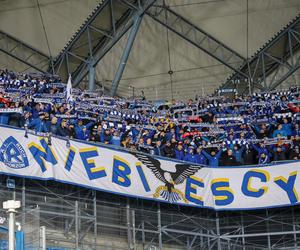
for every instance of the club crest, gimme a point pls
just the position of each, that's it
(12, 154)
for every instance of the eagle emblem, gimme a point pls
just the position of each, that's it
(170, 178)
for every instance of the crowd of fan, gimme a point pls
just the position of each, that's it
(240, 130)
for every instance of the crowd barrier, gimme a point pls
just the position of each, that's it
(134, 174)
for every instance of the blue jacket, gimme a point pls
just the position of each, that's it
(201, 159)
(262, 161)
(38, 125)
(213, 160)
(179, 155)
(238, 154)
(261, 150)
(169, 136)
(79, 131)
(81, 135)
(287, 127)
(277, 131)
(295, 132)
(135, 132)
(190, 157)
(115, 140)
(157, 150)
(4, 118)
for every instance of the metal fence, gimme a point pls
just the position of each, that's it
(78, 218)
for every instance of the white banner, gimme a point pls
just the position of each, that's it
(137, 175)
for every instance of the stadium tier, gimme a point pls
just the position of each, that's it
(245, 130)
(161, 152)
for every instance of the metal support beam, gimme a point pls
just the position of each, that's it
(129, 236)
(95, 219)
(126, 53)
(159, 227)
(91, 76)
(97, 36)
(23, 202)
(284, 76)
(196, 36)
(273, 63)
(76, 225)
(24, 53)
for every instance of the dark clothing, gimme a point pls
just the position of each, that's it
(14, 120)
(93, 137)
(279, 156)
(230, 161)
(106, 138)
(294, 155)
(157, 150)
(168, 151)
(53, 129)
(62, 131)
(248, 157)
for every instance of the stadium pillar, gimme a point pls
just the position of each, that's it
(43, 237)
(133, 229)
(11, 207)
(143, 227)
(91, 75)
(129, 238)
(126, 52)
(159, 227)
(23, 202)
(76, 225)
(95, 219)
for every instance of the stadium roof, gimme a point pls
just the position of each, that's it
(155, 50)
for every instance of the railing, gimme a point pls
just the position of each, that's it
(122, 149)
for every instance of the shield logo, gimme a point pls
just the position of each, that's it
(12, 154)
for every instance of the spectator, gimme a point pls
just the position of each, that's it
(38, 124)
(157, 148)
(63, 130)
(239, 123)
(190, 155)
(279, 131)
(179, 152)
(52, 126)
(279, 154)
(213, 157)
(200, 158)
(230, 159)
(168, 150)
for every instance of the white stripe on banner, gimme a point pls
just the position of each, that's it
(11, 110)
(134, 174)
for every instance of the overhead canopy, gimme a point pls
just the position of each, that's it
(156, 51)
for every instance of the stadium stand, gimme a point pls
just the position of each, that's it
(214, 131)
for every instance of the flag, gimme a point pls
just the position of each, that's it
(69, 90)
